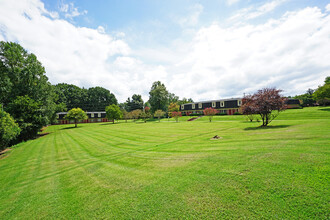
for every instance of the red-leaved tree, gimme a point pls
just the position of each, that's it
(210, 112)
(267, 102)
(147, 109)
(176, 115)
(247, 107)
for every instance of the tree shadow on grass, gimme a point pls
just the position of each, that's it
(67, 128)
(325, 109)
(266, 128)
(109, 123)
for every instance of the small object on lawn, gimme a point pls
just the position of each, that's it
(216, 137)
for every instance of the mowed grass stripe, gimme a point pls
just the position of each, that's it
(172, 170)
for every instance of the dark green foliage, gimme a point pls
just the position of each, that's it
(132, 104)
(76, 115)
(237, 113)
(8, 129)
(113, 112)
(61, 107)
(29, 115)
(172, 98)
(184, 101)
(158, 97)
(92, 99)
(22, 74)
(322, 93)
(307, 98)
(71, 95)
(99, 98)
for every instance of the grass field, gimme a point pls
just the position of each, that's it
(173, 170)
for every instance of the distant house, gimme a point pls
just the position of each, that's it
(292, 103)
(226, 106)
(92, 117)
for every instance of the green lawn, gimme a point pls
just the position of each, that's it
(173, 170)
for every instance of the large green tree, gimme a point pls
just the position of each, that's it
(113, 112)
(99, 98)
(307, 98)
(76, 115)
(29, 114)
(22, 74)
(92, 99)
(8, 129)
(132, 104)
(73, 96)
(158, 96)
(322, 93)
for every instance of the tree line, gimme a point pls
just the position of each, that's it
(319, 96)
(28, 101)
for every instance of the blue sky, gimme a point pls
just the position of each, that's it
(156, 20)
(200, 49)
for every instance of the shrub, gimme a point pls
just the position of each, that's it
(8, 129)
(195, 114)
(210, 112)
(176, 115)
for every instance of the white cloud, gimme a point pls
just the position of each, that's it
(70, 11)
(327, 7)
(231, 2)
(192, 18)
(254, 12)
(292, 53)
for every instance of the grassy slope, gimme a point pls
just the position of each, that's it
(173, 170)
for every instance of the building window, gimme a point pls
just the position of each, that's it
(199, 105)
(92, 115)
(239, 102)
(213, 104)
(182, 107)
(193, 106)
(99, 115)
(222, 104)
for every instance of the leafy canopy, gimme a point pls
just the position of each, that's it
(158, 96)
(113, 112)
(22, 74)
(267, 102)
(8, 129)
(322, 93)
(159, 113)
(29, 116)
(76, 114)
(210, 112)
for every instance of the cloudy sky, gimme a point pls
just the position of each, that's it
(203, 50)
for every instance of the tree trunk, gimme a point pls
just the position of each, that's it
(113, 121)
(75, 123)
